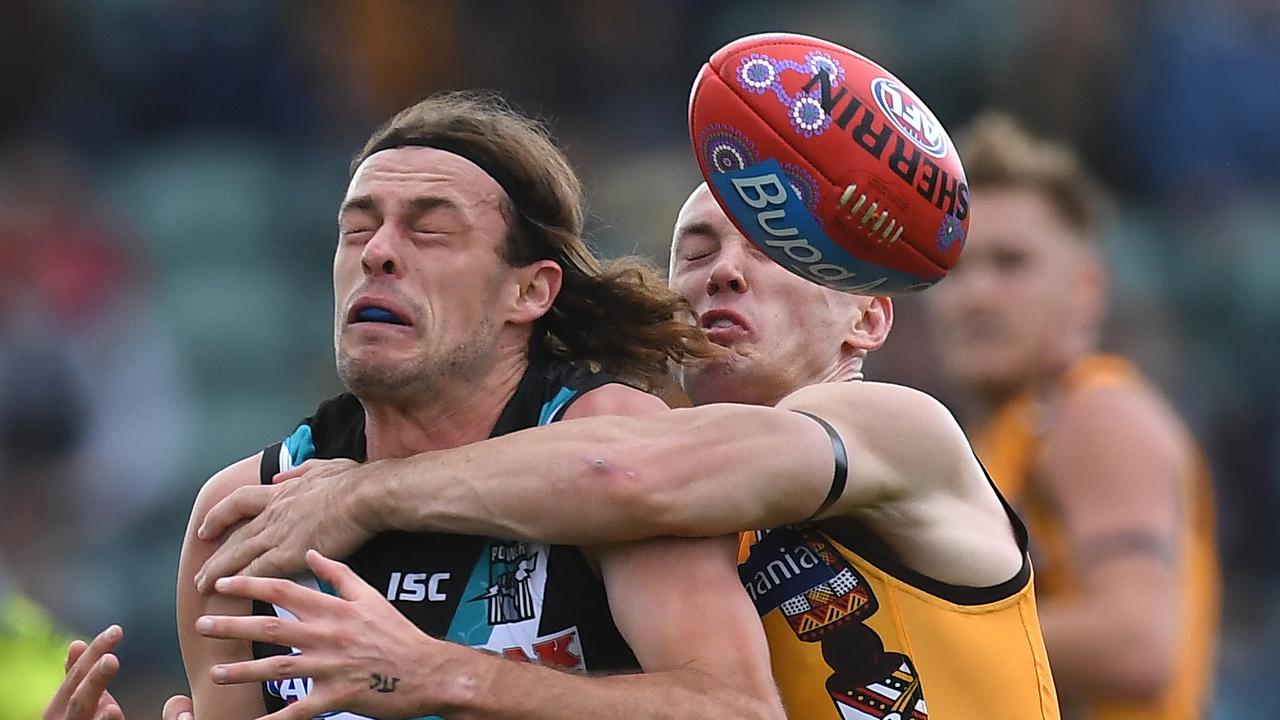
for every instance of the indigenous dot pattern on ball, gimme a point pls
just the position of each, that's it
(805, 187)
(758, 73)
(819, 61)
(726, 150)
(950, 232)
(808, 117)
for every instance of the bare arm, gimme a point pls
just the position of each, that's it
(1115, 466)
(696, 472)
(200, 654)
(683, 611)
(703, 471)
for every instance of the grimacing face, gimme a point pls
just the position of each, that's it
(1025, 296)
(780, 332)
(418, 275)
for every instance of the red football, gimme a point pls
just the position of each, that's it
(829, 164)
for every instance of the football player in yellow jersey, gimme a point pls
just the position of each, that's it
(895, 583)
(1108, 478)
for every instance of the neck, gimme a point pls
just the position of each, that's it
(454, 413)
(769, 392)
(847, 367)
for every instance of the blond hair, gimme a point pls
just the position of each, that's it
(999, 153)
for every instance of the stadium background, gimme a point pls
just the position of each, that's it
(170, 172)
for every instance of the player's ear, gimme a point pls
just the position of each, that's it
(537, 285)
(870, 327)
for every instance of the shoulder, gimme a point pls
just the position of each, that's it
(337, 427)
(226, 481)
(904, 443)
(1098, 435)
(614, 399)
(882, 407)
(1118, 412)
(838, 396)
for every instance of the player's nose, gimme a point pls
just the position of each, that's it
(729, 270)
(380, 254)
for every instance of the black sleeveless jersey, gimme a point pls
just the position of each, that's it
(526, 601)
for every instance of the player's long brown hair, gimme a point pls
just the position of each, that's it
(620, 317)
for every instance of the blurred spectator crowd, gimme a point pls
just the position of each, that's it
(170, 172)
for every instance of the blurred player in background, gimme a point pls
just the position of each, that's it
(31, 655)
(1112, 485)
(42, 420)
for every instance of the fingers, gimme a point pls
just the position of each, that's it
(343, 579)
(231, 557)
(273, 630)
(301, 601)
(242, 504)
(308, 707)
(312, 467)
(272, 563)
(105, 642)
(178, 707)
(276, 667)
(74, 651)
(110, 712)
(296, 472)
(85, 699)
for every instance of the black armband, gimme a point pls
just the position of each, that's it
(841, 473)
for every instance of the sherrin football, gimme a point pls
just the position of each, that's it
(829, 164)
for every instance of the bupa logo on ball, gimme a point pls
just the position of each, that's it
(910, 116)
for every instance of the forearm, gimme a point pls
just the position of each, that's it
(506, 689)
(695, 472)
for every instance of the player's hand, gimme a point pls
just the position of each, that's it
(178, 707)
(310, 507)
(90, 668)
(361, 654)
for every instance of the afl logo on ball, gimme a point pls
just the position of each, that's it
(910, 116)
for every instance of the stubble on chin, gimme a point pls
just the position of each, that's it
(380, 382)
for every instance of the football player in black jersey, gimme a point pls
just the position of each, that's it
(459, 271)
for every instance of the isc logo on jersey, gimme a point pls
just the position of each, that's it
(416, 587)
(910, 116)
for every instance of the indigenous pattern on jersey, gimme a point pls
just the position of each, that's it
(1013, 447)
(855, 635)
(529, 602)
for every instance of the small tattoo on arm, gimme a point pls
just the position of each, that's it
(383, 683)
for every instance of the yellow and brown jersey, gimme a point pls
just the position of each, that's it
(1013, 446)
(855, 635)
